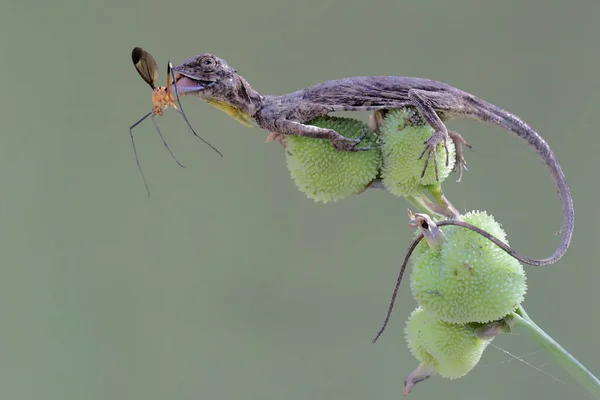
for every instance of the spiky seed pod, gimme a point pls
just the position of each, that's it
(402, 134)
(451, 349)
(325, 174)
(467, 278)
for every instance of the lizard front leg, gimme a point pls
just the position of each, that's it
(426, 103)
(342, 143)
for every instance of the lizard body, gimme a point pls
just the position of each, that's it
(213, 80)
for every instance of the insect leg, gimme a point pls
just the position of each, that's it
(171, 75)
(137, 160)
(165, 142)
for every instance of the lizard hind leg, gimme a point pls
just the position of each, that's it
(427, 103)
(461, 163)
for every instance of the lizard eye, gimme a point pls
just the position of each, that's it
(208, 63)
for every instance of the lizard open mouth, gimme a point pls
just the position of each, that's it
(187, 84)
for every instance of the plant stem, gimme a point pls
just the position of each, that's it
(420, 205)
(570, 364)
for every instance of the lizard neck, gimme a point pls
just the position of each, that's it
(241, 103)
(245, 97)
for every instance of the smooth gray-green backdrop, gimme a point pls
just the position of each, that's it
(229, 283)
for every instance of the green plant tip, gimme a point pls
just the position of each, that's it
(468, 278)
(402, 135)
(451, 349)
(325, 174)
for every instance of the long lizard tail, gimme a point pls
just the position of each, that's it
(497, 116)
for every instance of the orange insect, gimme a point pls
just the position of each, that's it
(162, 98)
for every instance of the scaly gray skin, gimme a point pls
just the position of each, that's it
(213, 80)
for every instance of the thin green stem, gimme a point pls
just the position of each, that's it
(570, 364)
(419, 203)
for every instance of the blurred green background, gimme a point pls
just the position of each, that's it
(229, 283)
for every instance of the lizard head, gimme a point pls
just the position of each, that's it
(205, 76)
(211, 79)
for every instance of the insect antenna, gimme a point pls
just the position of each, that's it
(171, 75)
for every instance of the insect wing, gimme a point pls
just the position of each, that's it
(145, 65)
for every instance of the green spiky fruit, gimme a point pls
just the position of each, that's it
(451, 349)
(402, 135)
(326, 174)
(468, 278)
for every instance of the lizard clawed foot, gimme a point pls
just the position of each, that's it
(342, 143)
(461, 163)
(430, 148)
(277, 136)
